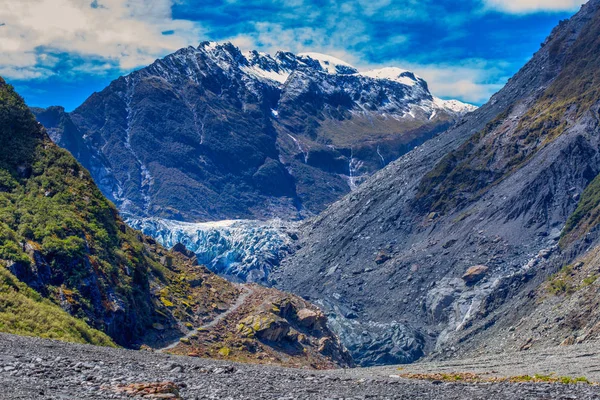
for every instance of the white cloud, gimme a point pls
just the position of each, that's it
(124, 33)
(532, 6)
(474, 81)
(331, 38)
(41, 37)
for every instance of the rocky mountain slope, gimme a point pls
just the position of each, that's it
(452, 239)
(269, 327)
(211, 133)
(70, 267)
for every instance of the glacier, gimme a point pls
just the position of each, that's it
(241, 250)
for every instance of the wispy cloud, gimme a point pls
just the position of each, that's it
(464, 49)
(473, 81)
(125, 33)
(533, 6)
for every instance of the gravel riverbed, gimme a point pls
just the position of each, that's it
(32, 368)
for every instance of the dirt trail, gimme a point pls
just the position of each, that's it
(246, 292)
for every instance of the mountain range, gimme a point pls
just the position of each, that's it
(211, 133)
(421, 227)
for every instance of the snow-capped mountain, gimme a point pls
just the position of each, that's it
(213, 133)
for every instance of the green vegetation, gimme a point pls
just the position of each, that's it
(465, 174)
(562, 282)
(225, 352)
(586, 215)
(462, 175)
(559, 286)
(578, 85)
(590, 280)
(475, 378)
(575, 91)
(569, 280)
(58, 231)
(539, 378)
(24, 312)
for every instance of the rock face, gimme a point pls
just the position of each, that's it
(495, 190)
(270, 327)
(310, 318)
(211, 133)
(63, 131)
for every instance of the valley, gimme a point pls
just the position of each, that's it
(73, 270)
(224, 223)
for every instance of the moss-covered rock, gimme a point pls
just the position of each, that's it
(265, 326)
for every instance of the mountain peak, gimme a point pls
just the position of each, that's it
(287, 116)
(275, 70)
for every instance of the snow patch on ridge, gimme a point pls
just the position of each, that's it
(329, 64)
(453, 105)
(393, 74)
(258, 72)
(276, 70)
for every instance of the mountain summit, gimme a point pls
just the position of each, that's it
(212, 133)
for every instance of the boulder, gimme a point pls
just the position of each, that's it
(475, 274)
(325, 345)
(181, 249)
(309, 318)
(433, 215)
(286, 308)
(167, 261)
(382, 257)
(438, 302)
(158, 326)
(267, 327)
(196, 281)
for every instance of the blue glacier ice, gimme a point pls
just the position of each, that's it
(242, 250)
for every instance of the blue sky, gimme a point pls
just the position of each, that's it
(60, 51)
